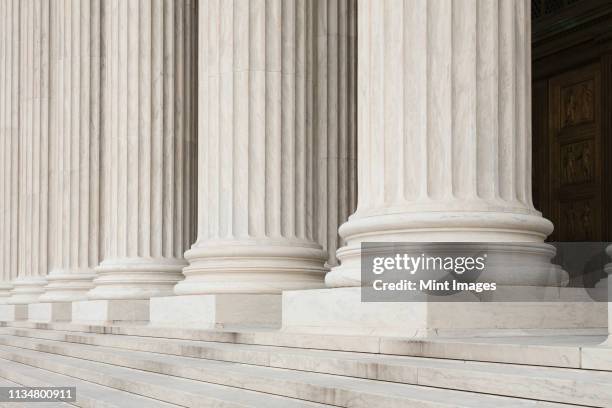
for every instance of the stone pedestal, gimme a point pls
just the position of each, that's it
(217, 311)
(340, 311)
(110, 311)
(12, 313)
(50, 312)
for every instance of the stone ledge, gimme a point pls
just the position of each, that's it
(50, 312)
(11, 313)
(340, 311)
(217, 311)
(110, 311)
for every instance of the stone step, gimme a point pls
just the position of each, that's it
(88, 395)
(570, 351)
(579, 387)
(334, 390)
(179, 391)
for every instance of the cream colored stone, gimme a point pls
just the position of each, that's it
(50, 312)
(340, 311)
(255, 166)
(75, 149)
(148, 128)
(9, 144)
(444, 142)
(110, 311)
(11, 313)
(220, 311)
(34, 84)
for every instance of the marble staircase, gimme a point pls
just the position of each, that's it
(142, 366)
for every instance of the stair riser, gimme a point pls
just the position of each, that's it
(599, 395)
(141, 388)
(324, 395)
(338, 397)
(523, 354)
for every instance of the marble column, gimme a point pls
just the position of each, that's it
(149, 146)
(34, 85)
(444, 118)
(255, 166)
(9, 143)
(75, 119)
(332, 74)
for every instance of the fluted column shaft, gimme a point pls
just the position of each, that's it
(75, 125)
(332, 84)
(149, 132)
(255, 163)
(34, 85)
(9, 143)
(444, 118)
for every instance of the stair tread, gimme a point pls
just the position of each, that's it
(32, 376)
(534, 349)
(270, 355)
(115, 374)
(352, 387)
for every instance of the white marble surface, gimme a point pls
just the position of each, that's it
(149, 149)
(11, 313)
(9, 144)
(444, 118)
(110, 311)
(50, 312)
(74, 144)
(216, 311)
(340, 311)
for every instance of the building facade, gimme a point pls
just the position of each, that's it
(126, 187)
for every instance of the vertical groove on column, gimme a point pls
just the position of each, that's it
(75, 119)
(487, 120)
(334, 86)
(256, 150)
(150, 146)
(464, 98)
(34, 18)
(8, 144)
(507, 101)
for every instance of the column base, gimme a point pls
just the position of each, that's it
(50, 312)
(110, 311)
(340, 311)
(27, 290)
(263, 266)
(67, 286)
(5, 292)
(136, 278)
(519, 236)
(217, 311)
(12, 313)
